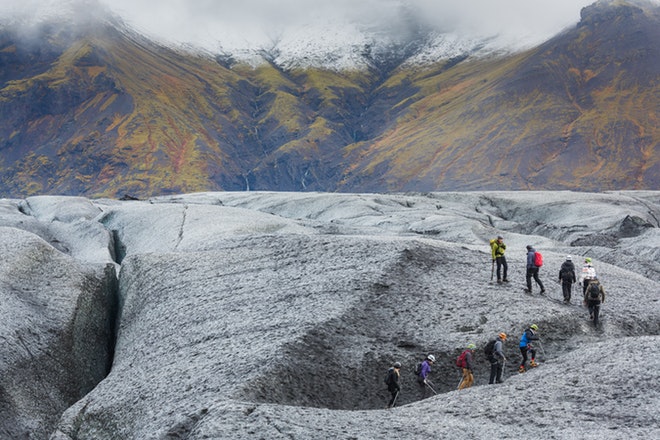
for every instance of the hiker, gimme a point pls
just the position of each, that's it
(496, 358)
(464, 361)
(594, 296)
(422, 375)
(530, 335)
(567, 278)
(497, 248)
(532, 270)
(588, 273)
(392, 381)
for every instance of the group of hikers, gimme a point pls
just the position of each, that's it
(494, 352)
(593, 295)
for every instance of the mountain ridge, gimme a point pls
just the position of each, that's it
(109, 112)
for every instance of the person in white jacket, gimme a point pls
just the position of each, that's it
(587, 274)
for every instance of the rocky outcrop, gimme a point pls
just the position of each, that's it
(57, 330)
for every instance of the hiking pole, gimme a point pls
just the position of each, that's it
(542, 350)
(429, 385)
(492, 270)
(394, 401)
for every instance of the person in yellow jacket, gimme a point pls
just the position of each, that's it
(497, 248)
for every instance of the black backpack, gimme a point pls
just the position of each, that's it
(389, 377)
(488, 350)
(567, 271)
(418, 369)
(594, 291)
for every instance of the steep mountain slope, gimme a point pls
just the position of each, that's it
(100, 110)
(580, 111)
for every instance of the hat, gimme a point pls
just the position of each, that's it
(397, 365)
(587, 260)
(499, 237)
(471, 346)
(569, 258)
(529, 246)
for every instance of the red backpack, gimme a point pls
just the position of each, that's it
(538, 259)
(461, 362)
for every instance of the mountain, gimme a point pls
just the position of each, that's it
(100, 110)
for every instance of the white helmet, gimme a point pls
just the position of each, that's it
(431, 358)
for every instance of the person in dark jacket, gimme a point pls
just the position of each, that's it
(532, 271)
(468, 377)
(567, 278)
(594, 296)
(392, 381)
(528, 337)
(497, 360)
(422, 378)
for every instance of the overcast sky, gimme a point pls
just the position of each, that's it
(237, 23)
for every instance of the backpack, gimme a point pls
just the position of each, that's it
(594, 291)
(488, 350)
(418, 369)
(388, 377)
(461, 361)
(538, 259)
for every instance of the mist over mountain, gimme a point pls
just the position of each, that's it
(100, 109)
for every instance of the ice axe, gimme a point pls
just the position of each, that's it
(429, 385)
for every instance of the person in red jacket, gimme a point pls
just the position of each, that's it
(465, 360)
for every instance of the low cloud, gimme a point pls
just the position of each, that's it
(257, 23)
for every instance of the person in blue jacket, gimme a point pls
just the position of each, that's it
(528, 337)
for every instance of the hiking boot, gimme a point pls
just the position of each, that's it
(542, 292)
(528, 291)
(521, 369)
(533, 364)
(505, 280)
(499, 281)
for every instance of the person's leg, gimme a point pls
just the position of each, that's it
(566, 290)
(493, 371)
(464, 381)
(537, 279)
(528, 278)
(469, 379)
(505, 267)
(533, 363)
(498, 271)
(523, 352)
(422, 389)
(390, 404)
(500, 367)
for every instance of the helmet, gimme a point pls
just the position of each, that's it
(471, 346)
(569, 258)
(397, 365)
(431, 358)
(587, 260)
(529, 246)
(502, 336)
(534, 327)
